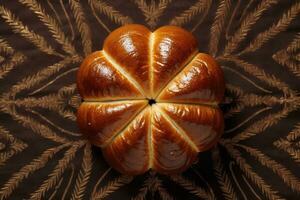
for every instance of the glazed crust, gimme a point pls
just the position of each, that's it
(201, 80)
(97, 79)
(136, 65)
(172, 49)
(129, 47)
(172, 153)
(101, 121)
(128, 152)
(202, 124)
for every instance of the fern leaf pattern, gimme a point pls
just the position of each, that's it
(82, 26)
(84, 174)
(57, 172)
(110, 12)
(190, 13)
(191, 187)
(218, 25)
(25, 171)
(277, 168)
(43, 155)
(287, 144)
(20, 28)
(226, 184)
(280, 26)
(266, 189)
(112, 186)
(153, 11)
(250, 19)
(287, 57)
(58, 34)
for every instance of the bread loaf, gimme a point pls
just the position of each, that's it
(150, 99)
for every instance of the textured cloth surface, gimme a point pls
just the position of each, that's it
(42, 43)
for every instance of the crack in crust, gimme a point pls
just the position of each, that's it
(151, 42)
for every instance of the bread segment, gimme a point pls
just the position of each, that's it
(98, 79)
(129, 150)
(171, 152)
(100, 122)
(128, 46)
(201, 81)
(202, 124)
(173, 48)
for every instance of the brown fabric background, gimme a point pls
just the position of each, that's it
(42, 43)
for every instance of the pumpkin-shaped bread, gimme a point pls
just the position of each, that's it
(150, 100)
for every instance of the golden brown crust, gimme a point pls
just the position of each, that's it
(201, 81)
(137, 64)
(99, 122)
(128, 45)
(98, 79)
(171, 153)
(202, 124)
(172, 48)
(128, 152)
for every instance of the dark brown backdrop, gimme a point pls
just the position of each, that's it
(257, 43)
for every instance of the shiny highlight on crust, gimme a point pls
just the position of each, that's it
(188, 60)
(120, 69)
(157, 76)
(178, 129)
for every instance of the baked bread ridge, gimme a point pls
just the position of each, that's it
(134, 66)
